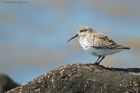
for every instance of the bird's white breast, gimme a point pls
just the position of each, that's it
(86, 46)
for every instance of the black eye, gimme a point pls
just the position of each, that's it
(83, 30)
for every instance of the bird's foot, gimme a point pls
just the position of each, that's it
(96, 63)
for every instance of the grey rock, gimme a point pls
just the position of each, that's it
(84, 78)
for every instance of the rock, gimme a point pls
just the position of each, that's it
(6, 83)
(84, 78)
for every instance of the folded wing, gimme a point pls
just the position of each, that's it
(104, 42)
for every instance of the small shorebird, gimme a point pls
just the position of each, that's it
(96, 43)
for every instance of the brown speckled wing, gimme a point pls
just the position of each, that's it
(101, 41)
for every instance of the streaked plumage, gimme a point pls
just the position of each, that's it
(96, 43)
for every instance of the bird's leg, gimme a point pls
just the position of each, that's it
(96, 63)
(101, 59)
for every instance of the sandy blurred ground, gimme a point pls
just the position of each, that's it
(33, 34)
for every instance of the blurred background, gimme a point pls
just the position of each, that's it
(33, 34)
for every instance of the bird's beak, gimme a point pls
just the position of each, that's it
(73, 37)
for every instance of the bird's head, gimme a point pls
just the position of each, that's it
(82, 31)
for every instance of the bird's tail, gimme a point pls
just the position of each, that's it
(123, 47)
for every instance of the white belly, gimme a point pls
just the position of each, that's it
(100, 52)
(97, 51)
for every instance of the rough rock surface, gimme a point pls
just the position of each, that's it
(84, 78)
(6, 83)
